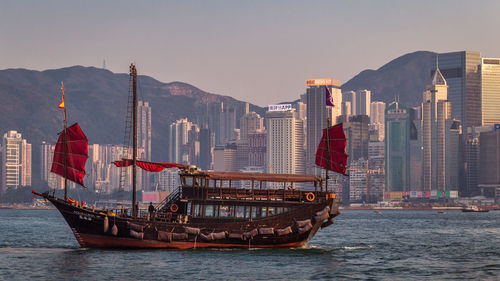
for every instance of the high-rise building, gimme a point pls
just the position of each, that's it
(144, 128)
(357, 135)
(490, 91)
(359, 101)
(357, 180)
(489, 172)
(144, 138)
(16, 161)
(317, 113)
(462, 71)
(206, 148)
(46, 155)
(472, 169)
(415, 149)
(349, 101)
(376, 178)
(214, 115)
(227, 125)
(167, 180)
(363, 102)
(301, 109)
(285, 138)
(257, 147)
(377, 112)
(249, 124)
(397, 148)
(346, 108)
(179, 137)
(439, 137)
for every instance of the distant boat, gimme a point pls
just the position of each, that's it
(208, 209)
(442, 212)
(377, 212)
(476, 209)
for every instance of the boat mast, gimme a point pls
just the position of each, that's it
(327, 149)
(65, 132)
(133, 73)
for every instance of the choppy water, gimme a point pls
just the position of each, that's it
(394, 245)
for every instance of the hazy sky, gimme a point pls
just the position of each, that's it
(256, 51)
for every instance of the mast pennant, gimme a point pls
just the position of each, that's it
(76, 154)
(333, 157)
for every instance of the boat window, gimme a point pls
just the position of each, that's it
(263, 212)
(254, 212)
(189, 208)
(226, 211)
(196, 181)
(209, 211)
(279, 210)
(187, 181)
(271, 211)
(240, 211)
(197, 210)
(247, 212)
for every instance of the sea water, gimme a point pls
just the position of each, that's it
(393, 245)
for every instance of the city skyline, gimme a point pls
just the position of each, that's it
(224, 47)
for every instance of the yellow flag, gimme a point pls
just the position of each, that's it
(61, 104)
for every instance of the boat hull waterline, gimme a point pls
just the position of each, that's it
(89, 230)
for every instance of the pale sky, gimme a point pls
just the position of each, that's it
(257, 51)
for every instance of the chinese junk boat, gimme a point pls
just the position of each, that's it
(208, 209)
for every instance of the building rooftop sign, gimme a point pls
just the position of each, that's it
(280, 107)
(323, 82)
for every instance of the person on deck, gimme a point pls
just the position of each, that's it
(151, 210)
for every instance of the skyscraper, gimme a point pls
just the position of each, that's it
(359, 100)
(363, 101)
(206, 148)
(16, 161)
(144, 128)
(46, 154)
(437, 130)
(250, 123)
(462, 71)
(397, 148)
(179, 137)
(285, 138)
(490, 91)
(144, 138)
(317, 114)
(377, 112)
(357, 135)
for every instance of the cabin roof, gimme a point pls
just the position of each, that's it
(262, 177)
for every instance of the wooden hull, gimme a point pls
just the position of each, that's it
(90, 231)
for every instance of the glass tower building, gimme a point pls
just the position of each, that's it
(462, 71)
(397, 148)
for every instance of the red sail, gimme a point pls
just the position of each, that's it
(149, 166)
(336, 158)
(76, 154)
